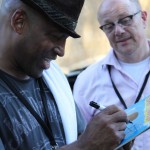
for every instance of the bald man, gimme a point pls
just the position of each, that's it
(122, 77)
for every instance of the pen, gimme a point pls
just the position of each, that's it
(95, 105)
(101, 107)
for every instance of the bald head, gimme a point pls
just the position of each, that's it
(7, 7)
(9, 4)
(110, 5)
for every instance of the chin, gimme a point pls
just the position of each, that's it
(36, 74)
(39, 75)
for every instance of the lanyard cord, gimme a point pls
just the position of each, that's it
(47, 130)
(43, 96)
(117, 92)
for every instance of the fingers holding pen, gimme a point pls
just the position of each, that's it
(116, 121)
(116, 114)
(113, 110)
(106, 129)
(106, 132)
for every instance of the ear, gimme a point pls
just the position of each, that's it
(144, 18)
(18, 21)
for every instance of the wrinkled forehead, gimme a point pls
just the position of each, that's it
(114, 9)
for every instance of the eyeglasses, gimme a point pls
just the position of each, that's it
(126, 21)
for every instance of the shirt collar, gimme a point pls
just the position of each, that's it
(111, 59)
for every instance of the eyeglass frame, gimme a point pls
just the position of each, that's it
(119, 22)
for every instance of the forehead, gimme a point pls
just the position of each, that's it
(114, 9)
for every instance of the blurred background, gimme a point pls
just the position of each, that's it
(93, 45)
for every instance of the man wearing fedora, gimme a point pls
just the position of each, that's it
(37, 110)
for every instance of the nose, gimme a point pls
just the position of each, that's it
(119, 30)
(60, 48)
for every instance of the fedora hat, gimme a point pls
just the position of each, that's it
(64, 13)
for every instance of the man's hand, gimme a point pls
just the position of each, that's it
(105, 131)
